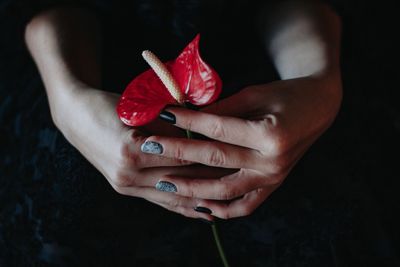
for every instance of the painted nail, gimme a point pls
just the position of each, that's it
(166, 187)
(168, 117)
(206, 221)
(203, 210)
(152, 147)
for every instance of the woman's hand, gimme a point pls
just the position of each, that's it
(264, 130)
(261, 131)
(64, 44)
(90, 123)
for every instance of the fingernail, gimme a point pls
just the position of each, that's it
(206, 221)
(168, 117)
(152, 147)
(203, 210)
(166, 187)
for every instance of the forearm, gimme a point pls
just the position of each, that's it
(65, 47)
(303, 39)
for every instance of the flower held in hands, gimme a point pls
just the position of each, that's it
(186, 79)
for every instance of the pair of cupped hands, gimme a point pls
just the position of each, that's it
(252, 140)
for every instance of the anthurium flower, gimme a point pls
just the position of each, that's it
(186, 79)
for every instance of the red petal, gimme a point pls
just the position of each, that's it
(143, 99)
(146, 96)
(198, 81)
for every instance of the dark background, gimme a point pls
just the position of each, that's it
(338, 207)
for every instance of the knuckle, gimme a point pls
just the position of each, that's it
(189, 189)
(123, 180)
(174, 203)
(216, 157)
(229, 194)
(275, 140)
(217, 130)
(271, 120)
(226, 192)
(277, 145)
(128, 158)
(129, 138)
(134, 160)
(178, 153)
(278, 166)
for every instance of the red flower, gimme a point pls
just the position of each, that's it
(146, 95)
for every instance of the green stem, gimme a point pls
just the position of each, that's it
(221, 252)
(219, 245)
(189, 134)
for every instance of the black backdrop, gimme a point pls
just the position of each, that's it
(339, 207)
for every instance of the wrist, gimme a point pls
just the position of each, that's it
(66, 102)
(80, 108)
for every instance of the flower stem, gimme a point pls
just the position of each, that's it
(168, 80)
(219, 245)
(189, 134)
(221, 252)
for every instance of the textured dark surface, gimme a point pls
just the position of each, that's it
(338, 207)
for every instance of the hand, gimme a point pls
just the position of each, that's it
(64, 43)
(262, 131)
(89, 121)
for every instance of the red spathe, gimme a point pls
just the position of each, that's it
(146, 95)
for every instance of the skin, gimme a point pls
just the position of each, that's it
(256, 136)
(263, 130)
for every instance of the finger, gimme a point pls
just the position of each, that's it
(161, 197)
(240, 207)
(160, 127)
(187, 212)
(149, 177)
(179, 204)
(230, 130)
(210, 153)
(132, 157)
(225, 188)
(191, 171)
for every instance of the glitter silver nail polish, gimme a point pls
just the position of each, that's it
(166, 187)
(152, 147)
